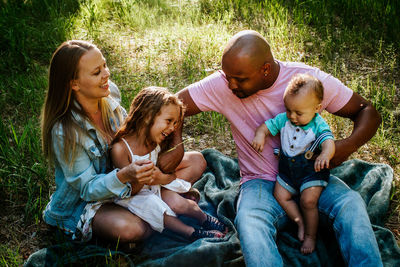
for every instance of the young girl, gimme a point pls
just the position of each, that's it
(154, 114)
(302, 129)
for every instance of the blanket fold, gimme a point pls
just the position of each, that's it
(219, 187)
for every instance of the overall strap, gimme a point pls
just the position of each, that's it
(315, 144)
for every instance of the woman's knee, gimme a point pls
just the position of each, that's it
(114, 222)
(127, 231)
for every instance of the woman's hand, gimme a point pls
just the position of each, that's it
(138, 172)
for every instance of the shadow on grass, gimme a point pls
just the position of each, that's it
(369, 20)
(31, 30)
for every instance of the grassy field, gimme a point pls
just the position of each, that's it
(172, 44)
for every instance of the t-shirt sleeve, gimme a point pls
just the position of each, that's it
(209, 93)
(276, 124)
(336, 94)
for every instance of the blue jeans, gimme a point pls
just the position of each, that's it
(259, 217)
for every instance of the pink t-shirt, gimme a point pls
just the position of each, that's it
(245, 115)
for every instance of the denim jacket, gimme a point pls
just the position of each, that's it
(87, 179)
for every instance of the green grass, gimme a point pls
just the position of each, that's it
(172, 44)
(9, 257)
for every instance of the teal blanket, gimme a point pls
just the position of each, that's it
(219, 187)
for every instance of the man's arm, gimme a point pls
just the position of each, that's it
(168, 162)
(191, 107)
(366, 121)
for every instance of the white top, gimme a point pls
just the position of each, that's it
(296, 139)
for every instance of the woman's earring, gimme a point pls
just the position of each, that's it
(265, 74)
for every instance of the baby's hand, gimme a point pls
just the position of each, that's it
(321, 162)
(258, 142)
(259, 137)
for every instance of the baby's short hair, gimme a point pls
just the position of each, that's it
(304, 81)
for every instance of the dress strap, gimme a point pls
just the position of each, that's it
(129, 148)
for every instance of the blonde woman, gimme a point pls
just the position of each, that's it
(79, 120)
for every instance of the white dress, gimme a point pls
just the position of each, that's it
(147, 203)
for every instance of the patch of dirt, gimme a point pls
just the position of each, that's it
(20, 236)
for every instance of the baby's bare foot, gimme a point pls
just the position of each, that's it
(308, 245)
(300, 229)
(300, 233)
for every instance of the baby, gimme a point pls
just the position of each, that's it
(302, 130)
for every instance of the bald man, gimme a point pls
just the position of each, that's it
(248, 91)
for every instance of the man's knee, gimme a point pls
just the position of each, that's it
(349, 210)
(338, 198)
(353, 199)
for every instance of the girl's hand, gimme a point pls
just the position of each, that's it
(161, 178)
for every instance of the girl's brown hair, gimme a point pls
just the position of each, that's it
(144, 108)
(59, 102)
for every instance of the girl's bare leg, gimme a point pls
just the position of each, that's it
(284, 199)
(309, 205)
(182, 206)
(174, 224)
(113, 222)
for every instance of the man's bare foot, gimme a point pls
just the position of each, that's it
(308, 244)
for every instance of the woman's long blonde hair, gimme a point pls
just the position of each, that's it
(59, 102)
